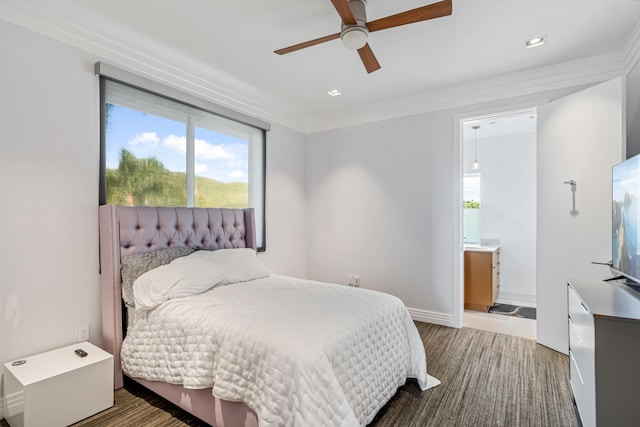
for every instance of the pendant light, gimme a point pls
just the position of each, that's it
(476, 165)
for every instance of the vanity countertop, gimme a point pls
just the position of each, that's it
(481, 248)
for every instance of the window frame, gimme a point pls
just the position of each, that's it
(156, 89)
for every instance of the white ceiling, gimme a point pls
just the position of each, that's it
(508, 123)
(232, 43)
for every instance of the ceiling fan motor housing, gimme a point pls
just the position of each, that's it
(354, 36)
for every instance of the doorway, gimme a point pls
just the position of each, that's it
(498, 159)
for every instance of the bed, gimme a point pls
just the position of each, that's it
(257, 348)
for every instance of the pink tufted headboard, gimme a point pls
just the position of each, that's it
(129, 230)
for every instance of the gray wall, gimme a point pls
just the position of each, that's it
(633, 111)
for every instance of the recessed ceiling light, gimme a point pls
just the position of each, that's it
(535, 42)
(334, 92)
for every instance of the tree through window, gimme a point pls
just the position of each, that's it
(160, 152)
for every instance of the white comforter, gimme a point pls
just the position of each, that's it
(298, 352)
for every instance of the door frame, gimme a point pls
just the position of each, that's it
(458, 230)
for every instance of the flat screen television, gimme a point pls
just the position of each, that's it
(625, 260)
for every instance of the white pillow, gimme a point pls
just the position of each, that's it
(238, 265)
(182, 277)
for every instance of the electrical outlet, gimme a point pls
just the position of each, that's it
(83, 333)
(356, 281)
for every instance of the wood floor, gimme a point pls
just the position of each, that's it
(488, 379)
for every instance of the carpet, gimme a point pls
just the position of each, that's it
(488, 379)
(514, 310)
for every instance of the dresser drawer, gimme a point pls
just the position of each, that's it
(582, 356)
(583, 392)
(576, 345)
(579, 314)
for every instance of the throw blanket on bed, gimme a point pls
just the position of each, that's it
(298, 352)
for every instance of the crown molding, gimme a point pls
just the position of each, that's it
(563, 76)
(631, 49)
(157, 62)
(151, 60)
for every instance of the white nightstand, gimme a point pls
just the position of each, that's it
(58, 388)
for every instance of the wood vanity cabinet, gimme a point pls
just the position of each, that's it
(481, 278)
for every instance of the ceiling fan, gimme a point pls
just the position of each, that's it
(355, 28)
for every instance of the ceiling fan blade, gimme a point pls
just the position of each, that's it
(435, 10)
(307, 44)
(368, 58)
(344, 10)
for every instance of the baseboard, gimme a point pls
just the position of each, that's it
(516, 299)
(2, 393)
(431, 317)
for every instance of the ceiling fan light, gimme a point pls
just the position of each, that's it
(354, 38)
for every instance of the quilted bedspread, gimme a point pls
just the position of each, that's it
(298, 352)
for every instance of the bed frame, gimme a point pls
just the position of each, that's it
(129, 230)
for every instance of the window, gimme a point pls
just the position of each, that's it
(157, 151)
(471, 201)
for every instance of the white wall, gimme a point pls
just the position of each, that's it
(381, 202)
(379, 206)
(508, 208)
(286, 251)
(49, 172)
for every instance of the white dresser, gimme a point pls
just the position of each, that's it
(604, 352)
(58, 388)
